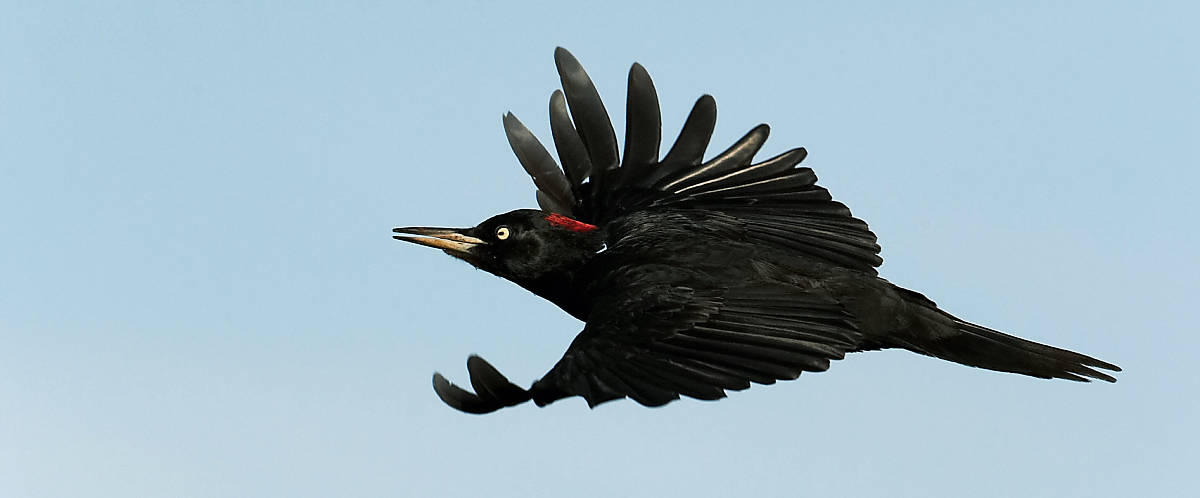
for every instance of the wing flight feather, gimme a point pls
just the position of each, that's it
(595, 185)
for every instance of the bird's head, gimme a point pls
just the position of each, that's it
(520, 245)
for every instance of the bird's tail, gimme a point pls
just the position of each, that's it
(940, 334)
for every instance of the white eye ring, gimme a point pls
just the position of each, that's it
(502, 233)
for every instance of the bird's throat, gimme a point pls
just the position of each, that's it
(559, 288)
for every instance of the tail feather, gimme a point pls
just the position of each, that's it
(982, 347)
(941, 335)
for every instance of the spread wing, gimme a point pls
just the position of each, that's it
(657, 344)
(780, 202)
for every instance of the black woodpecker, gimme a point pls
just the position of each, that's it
(696, 277)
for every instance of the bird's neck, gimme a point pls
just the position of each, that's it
(559, 288)
(565, 274)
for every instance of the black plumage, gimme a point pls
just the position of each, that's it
(696, 277)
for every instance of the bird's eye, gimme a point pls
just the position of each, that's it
(502, 233)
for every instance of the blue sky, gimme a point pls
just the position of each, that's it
(201, 296)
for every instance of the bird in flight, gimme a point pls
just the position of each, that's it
(696, 277)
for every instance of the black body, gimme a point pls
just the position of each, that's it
(695, 277)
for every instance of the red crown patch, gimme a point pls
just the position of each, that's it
(561, 221)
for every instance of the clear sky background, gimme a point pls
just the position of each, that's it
(200, 296)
